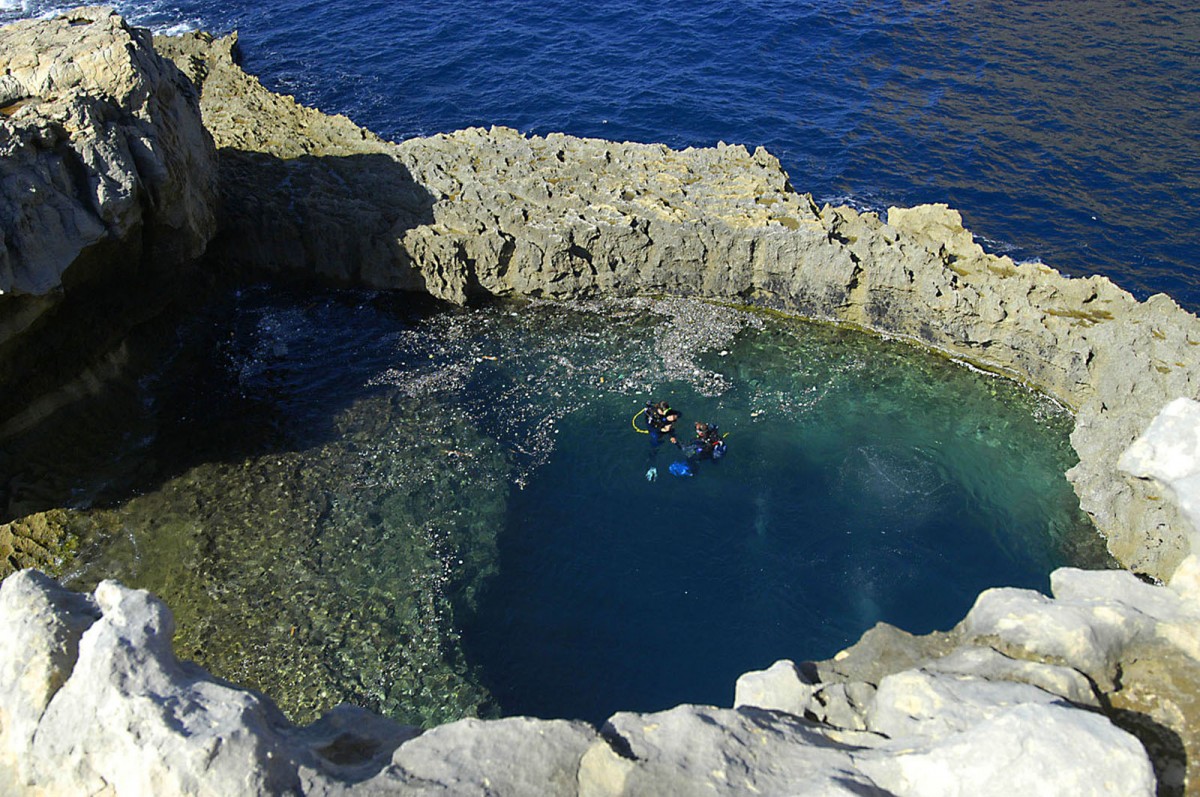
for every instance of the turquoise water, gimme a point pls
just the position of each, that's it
(443, 513)
(865, 482)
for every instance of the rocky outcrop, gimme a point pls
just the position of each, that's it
(101, 151)
(92, 699)
(300, 191)
(107, 187)
(493, 213)
(566, 217)
(1169, 453)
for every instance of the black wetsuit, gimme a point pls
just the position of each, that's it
(661, 428)
(660, 425)
(704, 444)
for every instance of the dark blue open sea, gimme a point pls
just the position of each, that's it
(1067, 132)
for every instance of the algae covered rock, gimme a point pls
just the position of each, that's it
(40, 540)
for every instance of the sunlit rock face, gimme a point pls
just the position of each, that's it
(103, 151)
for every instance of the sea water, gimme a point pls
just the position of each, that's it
(440, 513)
(1065, 132)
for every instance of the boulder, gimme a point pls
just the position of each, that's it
(1169, 452)
(1029, 749)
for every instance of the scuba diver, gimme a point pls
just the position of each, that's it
(708, 444)
(660, 419)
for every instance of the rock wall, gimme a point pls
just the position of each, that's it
(101, 151)
(94, 701)
(107, 187)
(493, 213)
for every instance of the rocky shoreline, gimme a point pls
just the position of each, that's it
(121, 167)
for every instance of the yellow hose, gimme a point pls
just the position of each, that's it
(633, 422)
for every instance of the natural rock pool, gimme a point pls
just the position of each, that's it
(435, 513)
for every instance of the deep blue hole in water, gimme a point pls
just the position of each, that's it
(864, 482)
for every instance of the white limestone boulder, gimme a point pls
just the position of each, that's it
(1032, 750)
(992, 665)
(1169, 452)
(40, 625)
(916, 704)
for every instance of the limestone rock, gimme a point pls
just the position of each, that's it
(1029, 749)
(917, 704)
(1169, 452)
(102, 150)
(107, 191)
(92, 699)
(517, 755)
(781, 687)
(41, 624)
(992, 665)
(784, 687)
(702, 750)
(301, 191)
(1068, 633)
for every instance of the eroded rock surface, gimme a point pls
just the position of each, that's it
(100, 145)
(107, 188)
(92, 700)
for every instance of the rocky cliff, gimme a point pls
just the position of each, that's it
(107, 178)
(95, 701)
(1028, 693)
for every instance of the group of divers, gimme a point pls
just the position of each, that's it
(660, 421)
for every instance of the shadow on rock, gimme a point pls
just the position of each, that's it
(333, 218)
